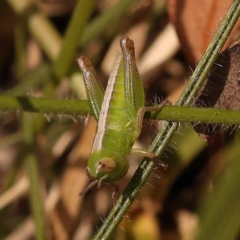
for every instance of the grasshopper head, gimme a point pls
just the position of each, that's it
(107, 165)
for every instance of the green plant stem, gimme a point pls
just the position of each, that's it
(43, 105)
(81, 107)
(82, 13)
(37, 204)
(39, 26)
(32, 79)
(101, 23)
(164, 136)
(194, 114)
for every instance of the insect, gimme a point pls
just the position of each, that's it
(120, 116)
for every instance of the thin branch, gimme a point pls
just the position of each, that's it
(35, 192)
(81, 107)
(101, 23)
(82, 13)
(43, 105)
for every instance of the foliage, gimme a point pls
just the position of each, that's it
(43, 154)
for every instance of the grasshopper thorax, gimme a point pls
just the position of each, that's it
(107, 165)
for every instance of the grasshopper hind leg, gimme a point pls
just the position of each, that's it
(143, 110)
(139, 123)
(143, 153)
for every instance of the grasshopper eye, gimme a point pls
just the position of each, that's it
(106, 165)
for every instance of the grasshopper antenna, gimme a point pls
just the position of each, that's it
(86, 189)
(92, 184)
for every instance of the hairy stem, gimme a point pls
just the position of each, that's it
(81, 107)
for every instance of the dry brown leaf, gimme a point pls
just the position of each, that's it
(196, 22)
(221, 89)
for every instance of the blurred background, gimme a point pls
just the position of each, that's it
(43, 157)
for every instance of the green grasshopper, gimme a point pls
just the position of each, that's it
(120, 117)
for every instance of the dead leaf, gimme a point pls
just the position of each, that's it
(196, 22)
(221, 89)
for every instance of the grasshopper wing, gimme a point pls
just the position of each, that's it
(93, 86)
(133, 84)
